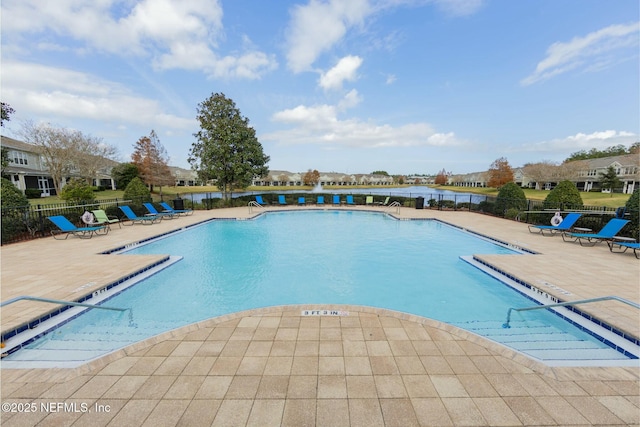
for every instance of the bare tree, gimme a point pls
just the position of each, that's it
(541, 172)
(93, 155)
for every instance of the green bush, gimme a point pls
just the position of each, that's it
(10, 195)
(512, 213)
(633, 209)
(33, 193)
(510, 196)
(77, 191)
(564, 196)
(15, 210)
(137, 191)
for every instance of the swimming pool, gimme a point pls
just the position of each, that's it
(318, 257)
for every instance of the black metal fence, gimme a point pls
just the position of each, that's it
(29, 222)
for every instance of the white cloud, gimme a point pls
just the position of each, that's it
(173, 33)
(344, 70)
(320, 124)
(591, 52)
(583, 141)
(317, 26)
(60, 93)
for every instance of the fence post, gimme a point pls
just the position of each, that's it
(41, 220)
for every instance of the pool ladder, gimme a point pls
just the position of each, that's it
(562, 304)
(394, 205)
(253, 204)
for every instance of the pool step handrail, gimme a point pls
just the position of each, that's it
(562, 304)
(253, 204)
(57, 301)
(394, 205)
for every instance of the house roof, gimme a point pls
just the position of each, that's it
(8, 142)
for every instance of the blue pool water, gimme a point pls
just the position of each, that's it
(314, 257)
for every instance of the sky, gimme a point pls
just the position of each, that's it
(351, 86)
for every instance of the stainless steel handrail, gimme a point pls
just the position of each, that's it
(57, 301)
(253, 204)
(562, 304)
(394, 205)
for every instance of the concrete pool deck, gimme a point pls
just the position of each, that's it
(273, 366)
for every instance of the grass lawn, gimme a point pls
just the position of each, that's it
(589, 199)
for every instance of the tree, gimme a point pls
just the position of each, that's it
(137, 191)
(92, 155)
(594, 153)
(7, 111)
(385, 173)
(510, 196)
(441, 178)
(610, 180)
(311, 177)
(565, 195)
(11, 196)
(633, 209)
(500, 173)
(226, 148)
(541, 172)
(66, 150)
(123, 173)
(150, 157)
(77, 191)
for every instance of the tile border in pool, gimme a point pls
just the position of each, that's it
(628, 337)
(6, 335)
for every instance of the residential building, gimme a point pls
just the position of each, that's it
(28, 170)
(586, 174)
(286, 178)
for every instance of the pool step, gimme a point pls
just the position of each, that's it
(543, 341)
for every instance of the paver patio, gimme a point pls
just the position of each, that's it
(273, 366)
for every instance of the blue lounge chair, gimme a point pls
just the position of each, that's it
(131, 216)
(350, 200)
(178, 212)
(301, 201)
(282, 200)
(336, 199)
(566, 225)
(608, 232)
(153, 211)
(623, 246)
(320, 200)
(66, 227)
(260, 201)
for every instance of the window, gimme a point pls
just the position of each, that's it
(18, 157)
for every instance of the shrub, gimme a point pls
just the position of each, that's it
(76, 191)
(633, 209)
(512, 213)
(137, 191)
(564, 196)
(509, 197)
(486, 207)
(15, 210)
(33, 193)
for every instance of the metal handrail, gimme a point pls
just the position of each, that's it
(395, 205)
(57, 301)
(253, 203)
(561, 304)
